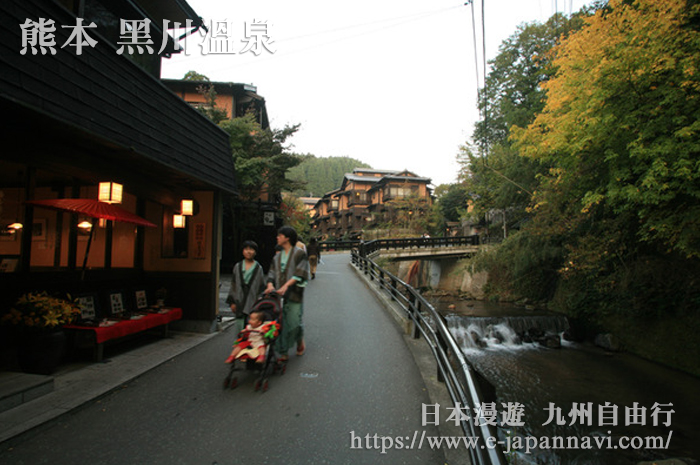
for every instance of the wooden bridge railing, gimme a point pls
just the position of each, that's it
(369, 247)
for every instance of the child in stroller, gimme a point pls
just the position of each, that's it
(254, 343)
(251, 341)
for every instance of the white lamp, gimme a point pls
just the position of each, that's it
(187, 207)
(178, 221)
(110, 192)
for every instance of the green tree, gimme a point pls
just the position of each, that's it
(492, 171)
(261, 160)
(501, 181)
(261, 157)
(410, 213)
(194, 76)
(452, 201)
(209, 109)
(207, 90)
(511, 94)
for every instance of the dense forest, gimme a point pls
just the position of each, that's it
(322, 174)
(590, 139)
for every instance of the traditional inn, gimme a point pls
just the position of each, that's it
(82, 109)
(368, 198)
(234, 99)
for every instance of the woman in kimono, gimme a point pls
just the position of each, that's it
(247, 283)
(288, 276)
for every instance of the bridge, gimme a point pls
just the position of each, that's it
(411, 248)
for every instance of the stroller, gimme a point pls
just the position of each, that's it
(271, 306)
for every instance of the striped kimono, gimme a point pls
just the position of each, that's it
(283, 268)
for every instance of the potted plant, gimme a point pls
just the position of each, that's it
(38, 318)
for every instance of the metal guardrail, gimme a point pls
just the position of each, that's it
(453, 369)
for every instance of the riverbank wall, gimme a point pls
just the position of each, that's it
(668, 340)
(450, 275)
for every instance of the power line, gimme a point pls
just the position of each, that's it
(483, 34)
(379, 21)
(476, 52)
(483, 43)
(484, 150)
(401, 20)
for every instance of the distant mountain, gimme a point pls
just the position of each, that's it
(322, 174)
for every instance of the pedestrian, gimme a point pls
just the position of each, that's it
(247, 284)
(288, 276)
(313, 251)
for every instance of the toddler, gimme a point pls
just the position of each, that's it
(251, 341)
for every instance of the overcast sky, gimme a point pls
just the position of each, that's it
(391, 83)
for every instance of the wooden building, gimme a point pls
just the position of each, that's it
(77, 117)
(367, 198)
(235, 99)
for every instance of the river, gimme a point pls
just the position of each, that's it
(546, 380)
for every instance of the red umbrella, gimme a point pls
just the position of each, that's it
(92, 208)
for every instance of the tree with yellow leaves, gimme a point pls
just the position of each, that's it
(621, 124)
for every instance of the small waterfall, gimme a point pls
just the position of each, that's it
(510, 332)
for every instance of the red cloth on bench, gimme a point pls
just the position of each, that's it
(126, 327)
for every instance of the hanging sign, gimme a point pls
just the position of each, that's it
(200, 240)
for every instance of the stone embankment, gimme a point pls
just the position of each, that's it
(452, 275)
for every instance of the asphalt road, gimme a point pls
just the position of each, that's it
(357, 377)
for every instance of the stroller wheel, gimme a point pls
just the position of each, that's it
(283, 369)
(265, 386)
(234, 383)
(258, 384)
(227, 382)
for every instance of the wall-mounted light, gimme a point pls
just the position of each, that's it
(85, 225)
(14, 227)
(187, 207)
(179, 221)
(110, 192)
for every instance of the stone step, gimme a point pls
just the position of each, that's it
(18, 388)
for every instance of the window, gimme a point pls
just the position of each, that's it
(359, 198)
(400, 192)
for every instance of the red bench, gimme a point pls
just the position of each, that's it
(97, 336)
